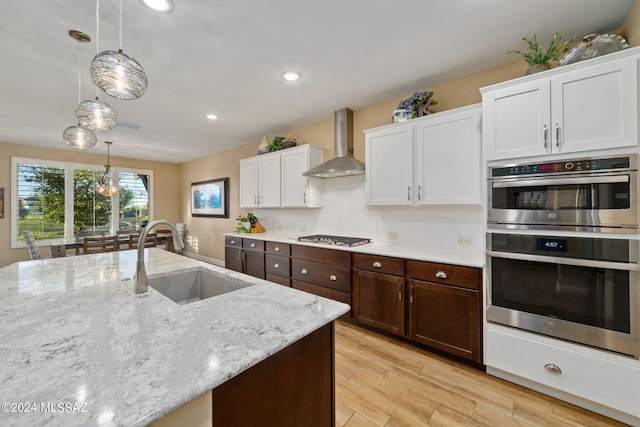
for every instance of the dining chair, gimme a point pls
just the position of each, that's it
(150, 241)
(165, 241)
(98, 244)
(34, 252)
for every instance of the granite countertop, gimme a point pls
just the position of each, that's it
(79, 347)
(467, 258)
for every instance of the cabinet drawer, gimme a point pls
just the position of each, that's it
(599, 380)
(329, 256)
(329, 276)
(284, 281)
(379, 264)
(278, 248)
(276, 264)
(253, 245)
(323, 292)
(466, 277)
(233, 241)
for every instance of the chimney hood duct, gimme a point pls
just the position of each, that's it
(343, 164)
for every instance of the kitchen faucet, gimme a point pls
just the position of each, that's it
(141, 282)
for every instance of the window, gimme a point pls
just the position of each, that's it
(57, 200)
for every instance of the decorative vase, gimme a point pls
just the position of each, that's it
(262, 148)
(537, 68)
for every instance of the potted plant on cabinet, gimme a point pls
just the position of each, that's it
(540, 59)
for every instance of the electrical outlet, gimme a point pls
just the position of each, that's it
(464, 241)
(392, 235)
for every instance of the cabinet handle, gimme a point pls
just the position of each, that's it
(441, 275)
(553, 368)
(377, 264)
(546, 136)
(400, 291)
(233, 242)
(255, 200)
(276, 249)
(557, 135)
(253, 245)
(240, 257)
(333, 278)
(411, 294)
(304, 198)
(303, 271)
(409, 193)
(419, 190)
(276, 265)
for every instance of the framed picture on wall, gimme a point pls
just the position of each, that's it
(210, 198)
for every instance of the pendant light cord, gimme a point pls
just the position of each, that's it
(79, 73)
(120, 25)
(97, 37)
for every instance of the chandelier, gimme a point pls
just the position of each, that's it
(118, 74)
(96, 115)
(107, 185)
(78, 136)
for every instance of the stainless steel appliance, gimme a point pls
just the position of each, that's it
(588, 194)
(581, 289)
(334, 240)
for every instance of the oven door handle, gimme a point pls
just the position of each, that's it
(562, 181)
(567, 261)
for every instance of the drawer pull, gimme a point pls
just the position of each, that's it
(441, 275)
(276, 265)
(233, 242)
(400, 291)
(303, 271)
(377, 264)
(277, 249)
(253, 245)
(553, 368)
(333, 278)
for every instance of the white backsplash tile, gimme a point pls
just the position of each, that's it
(345, 212)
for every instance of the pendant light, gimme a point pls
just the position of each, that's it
(107, 185)
(95, 114)
(79, 136)
(117, 74)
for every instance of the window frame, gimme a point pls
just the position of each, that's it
(69, 167)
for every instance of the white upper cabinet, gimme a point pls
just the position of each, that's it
(590, 105)
(260, 181)
(426, 161)
(389, 165)
(275, 179)
(448, 149)
(299, 190)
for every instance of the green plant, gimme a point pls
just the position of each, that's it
(243, 220)
(537, 55)
(275, 145)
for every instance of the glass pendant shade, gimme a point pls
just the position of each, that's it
(79, 137)
(118, 75)
(96, 115)
(107, 186)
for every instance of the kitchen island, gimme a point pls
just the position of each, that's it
(79, 347)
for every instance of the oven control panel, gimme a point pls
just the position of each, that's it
(580, 165)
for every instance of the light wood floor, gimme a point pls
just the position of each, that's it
(382, 382)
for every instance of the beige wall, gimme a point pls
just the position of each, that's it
(167, 188)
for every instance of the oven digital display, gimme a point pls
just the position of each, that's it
(551, 245)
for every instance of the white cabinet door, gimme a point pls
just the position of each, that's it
(516, 121)
(299, 190)
(389, 160)
(596, 107)
(448, 158)
(269, 181)
(249, 183)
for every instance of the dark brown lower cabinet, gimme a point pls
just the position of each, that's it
(244, 255)
(294, 387)
(233, 253)
(378, 301)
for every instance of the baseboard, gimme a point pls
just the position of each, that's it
(203, 258)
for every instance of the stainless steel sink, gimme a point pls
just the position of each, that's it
(192, 285)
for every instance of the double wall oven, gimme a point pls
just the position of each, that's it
(563, 255)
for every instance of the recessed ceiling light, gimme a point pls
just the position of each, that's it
(291, 76)
(171, 149)
(211, 116)
(164, 6)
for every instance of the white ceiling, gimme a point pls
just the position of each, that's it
(226, 57)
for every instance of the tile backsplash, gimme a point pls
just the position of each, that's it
(346, 213)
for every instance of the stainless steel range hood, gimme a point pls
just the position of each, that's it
(343, 164)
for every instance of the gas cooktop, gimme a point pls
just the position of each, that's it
(334, 240)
